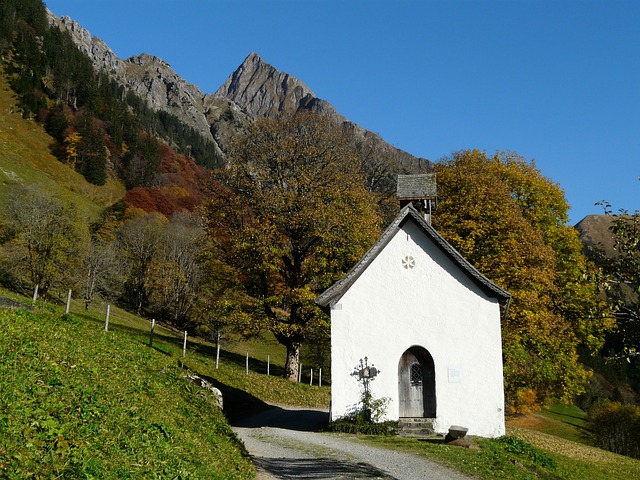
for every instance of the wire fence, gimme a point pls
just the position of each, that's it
(165, 335)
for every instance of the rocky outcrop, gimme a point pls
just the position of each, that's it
(201, 382)
(263, 91)
(595, 234)
(153, 79)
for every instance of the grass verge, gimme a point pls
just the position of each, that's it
(522, 455)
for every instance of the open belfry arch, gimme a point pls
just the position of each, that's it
(428, 320)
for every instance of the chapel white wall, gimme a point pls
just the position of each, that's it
(433, 305)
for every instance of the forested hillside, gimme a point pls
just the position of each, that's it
(98, 128)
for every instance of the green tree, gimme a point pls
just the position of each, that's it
(510, 222)
(294, 217)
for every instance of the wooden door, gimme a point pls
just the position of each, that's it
(416, 384)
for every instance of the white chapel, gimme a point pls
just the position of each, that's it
(426, 319)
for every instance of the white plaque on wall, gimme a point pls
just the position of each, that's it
(455, 374)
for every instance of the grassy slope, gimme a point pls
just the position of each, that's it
(25, 159)
(81, 402)
(78, 402)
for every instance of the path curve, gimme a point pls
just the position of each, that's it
(284, 445)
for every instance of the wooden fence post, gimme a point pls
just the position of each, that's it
(106, 322)
(217, 348)
(153, 325)
(68, 302)
(184, 345)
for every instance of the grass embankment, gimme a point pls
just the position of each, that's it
(79, 402)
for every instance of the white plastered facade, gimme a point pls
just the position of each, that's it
(413, 293)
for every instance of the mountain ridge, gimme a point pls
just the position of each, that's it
(254, 89)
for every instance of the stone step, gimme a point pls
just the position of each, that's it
(415, 427)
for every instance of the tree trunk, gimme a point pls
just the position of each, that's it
(293, 363)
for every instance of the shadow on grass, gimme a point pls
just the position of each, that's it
(563, 414)
(246, 411)
(255, 365)
(576, 421)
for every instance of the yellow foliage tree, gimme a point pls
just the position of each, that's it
(71, 142)
(509, 220)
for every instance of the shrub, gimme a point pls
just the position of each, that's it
(519, 447)
(616, 427)
(358, 426)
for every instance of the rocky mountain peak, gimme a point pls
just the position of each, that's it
(145, 59)
(261, 90)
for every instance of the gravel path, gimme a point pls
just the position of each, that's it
(283, 445)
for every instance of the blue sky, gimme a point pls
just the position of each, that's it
(556, 81)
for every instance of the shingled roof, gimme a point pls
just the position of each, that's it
(409, 213)
(417, 187)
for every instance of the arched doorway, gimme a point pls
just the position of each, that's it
(417, 384)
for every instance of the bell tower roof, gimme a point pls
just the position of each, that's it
(417, 187)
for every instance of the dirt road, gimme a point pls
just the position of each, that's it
(284, 444)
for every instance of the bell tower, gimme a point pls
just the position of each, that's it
(419, 190)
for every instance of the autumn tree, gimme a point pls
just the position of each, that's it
(294, 217)
(511, 223)
(175, 273)
(140, 239)
(48, 240)
(105, 274)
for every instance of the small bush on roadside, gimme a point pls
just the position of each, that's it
(359, 426)
(616, 427)
(365, 417)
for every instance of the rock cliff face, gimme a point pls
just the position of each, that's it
(255, 89)
(99, 52)
(153, 79)
(263, 91)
